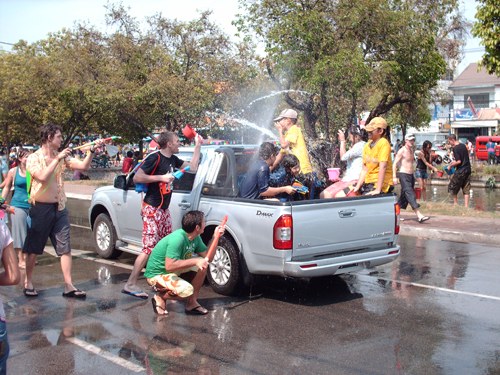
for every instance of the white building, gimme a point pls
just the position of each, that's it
(476, 102)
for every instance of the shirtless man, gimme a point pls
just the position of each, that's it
(48, 216)
(405, 158)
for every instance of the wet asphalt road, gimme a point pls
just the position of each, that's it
(433, 311)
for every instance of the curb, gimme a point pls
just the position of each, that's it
(450, 235)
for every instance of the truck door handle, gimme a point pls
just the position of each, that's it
(347, 213)
(184, 204)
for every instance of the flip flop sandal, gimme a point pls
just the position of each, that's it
(198, 310)
(77, 293)
(157, 308)
(30, 292)
(422, 219)
(138, 294)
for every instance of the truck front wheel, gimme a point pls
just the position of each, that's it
(224, 273)
(105, 237)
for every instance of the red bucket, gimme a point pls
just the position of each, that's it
(418, 192)
(189, 132)
(440, 173)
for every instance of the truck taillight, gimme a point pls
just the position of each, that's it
(283, 233)
(397, 211)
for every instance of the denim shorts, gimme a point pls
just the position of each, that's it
(421, 173)
(4, 347)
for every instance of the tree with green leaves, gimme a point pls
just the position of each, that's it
(487, 27)
(352, 55)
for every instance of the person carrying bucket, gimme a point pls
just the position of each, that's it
(405, 159)
(424, 161)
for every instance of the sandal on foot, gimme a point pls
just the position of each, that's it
(137, 293)
(77, 293)
(198, 310)
(30, 292)
(423, 218)
(157, 308)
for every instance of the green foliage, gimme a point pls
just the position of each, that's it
(487, 28)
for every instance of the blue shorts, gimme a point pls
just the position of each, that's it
(421, 173)
(4, 347)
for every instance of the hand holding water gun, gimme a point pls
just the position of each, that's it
(5, 208)
(165, 187)
(219, 231)
(300, 188)
(97, 141)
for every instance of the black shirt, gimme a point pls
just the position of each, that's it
(460, 153)
(165, 165)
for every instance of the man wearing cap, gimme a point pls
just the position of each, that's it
(292, 139)
(405, 158)
(376, 175)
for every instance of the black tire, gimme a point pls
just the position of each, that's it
(224, 273)
(104, 234)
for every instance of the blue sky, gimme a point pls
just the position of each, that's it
(32, 20)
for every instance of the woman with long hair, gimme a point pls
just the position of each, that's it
(424, 161)
(354, 159)
(16, 178)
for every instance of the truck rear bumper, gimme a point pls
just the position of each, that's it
(339, 265)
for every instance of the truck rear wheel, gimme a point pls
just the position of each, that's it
(105, 237)
(224, 273)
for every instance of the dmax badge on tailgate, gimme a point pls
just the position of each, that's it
(264, 214)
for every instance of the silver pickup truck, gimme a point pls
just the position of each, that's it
(302, 239)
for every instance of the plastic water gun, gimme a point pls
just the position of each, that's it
(449, 170)
(181, 172)
(215, 242)
(5, 208)
(300, 188)
(165, 188)
(112, 138)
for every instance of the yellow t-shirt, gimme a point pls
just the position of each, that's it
(372, 156)
(298, 147)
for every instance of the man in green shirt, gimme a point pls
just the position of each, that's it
(178, 265)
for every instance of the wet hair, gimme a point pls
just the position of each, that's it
(452, 137)
(191, 219)
(290, 161)
(165, 137)
(426, 147)
(267, 149)
(21, 154)
(48, 132)
(130, 154)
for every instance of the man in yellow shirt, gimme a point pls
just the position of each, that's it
(376, 175)
(292, 141)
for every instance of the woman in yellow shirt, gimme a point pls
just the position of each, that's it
(376, 175)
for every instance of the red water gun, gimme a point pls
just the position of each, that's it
(215, 241)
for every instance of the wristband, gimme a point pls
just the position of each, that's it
(2, 200)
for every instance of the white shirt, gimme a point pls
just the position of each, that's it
(354, 159)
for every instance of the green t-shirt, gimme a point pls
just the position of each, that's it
(174, 246)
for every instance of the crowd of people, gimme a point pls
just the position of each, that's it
(176, 261)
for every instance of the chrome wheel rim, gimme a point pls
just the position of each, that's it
(220, 268)
(103, 236)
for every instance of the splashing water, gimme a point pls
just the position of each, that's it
(243, 122)
(253, 126)
(274, 93)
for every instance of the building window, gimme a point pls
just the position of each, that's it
(479, 100)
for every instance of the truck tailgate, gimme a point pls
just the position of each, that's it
(323, 228)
